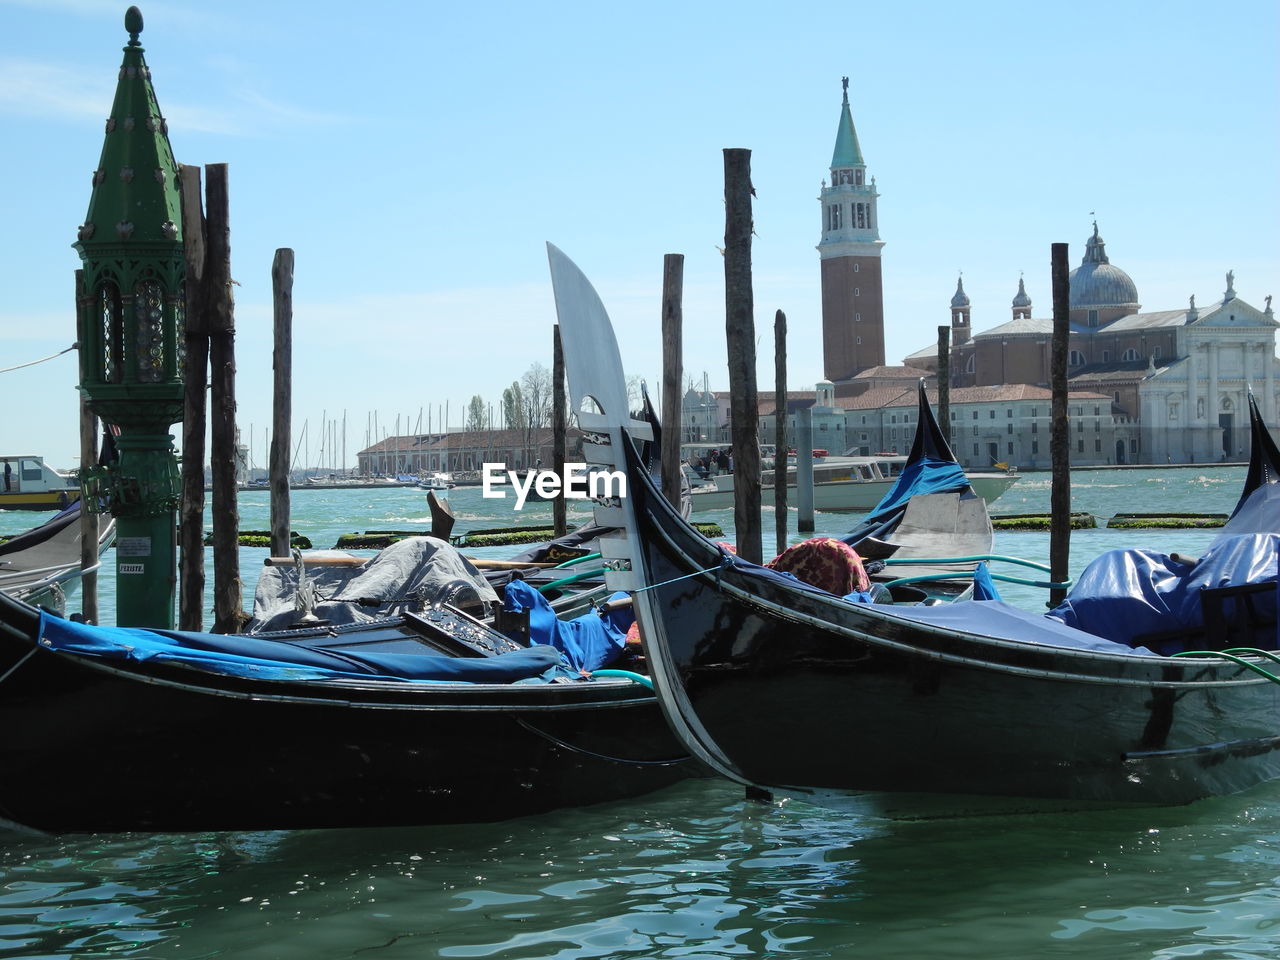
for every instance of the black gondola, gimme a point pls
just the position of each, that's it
(419, 718)
(788, 688)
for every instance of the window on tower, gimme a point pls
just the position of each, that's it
(857, 177)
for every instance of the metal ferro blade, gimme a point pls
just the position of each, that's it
(593, 364)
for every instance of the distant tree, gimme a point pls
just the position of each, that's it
(513, 411)
(536, 391)
(477, 414)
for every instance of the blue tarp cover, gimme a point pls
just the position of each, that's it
(261, 659)
(988, 618)
(1128, 593)
(588, 642)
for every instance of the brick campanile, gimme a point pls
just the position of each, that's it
(852, 288)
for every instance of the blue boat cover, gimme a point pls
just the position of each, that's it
(984, 587)
(588, 642)
(257, 658)
(998, 620)
(1129, 593)
(988, 618)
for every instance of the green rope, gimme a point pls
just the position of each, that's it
(565, 581)
(576, 560)
(1226, 655)
(627, 674)
(922, 578)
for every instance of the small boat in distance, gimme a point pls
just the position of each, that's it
(436, 481)
(28, 483)
(847, 484)
(1169, 694)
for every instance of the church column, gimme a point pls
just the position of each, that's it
(1211, 405)
(1269, 405)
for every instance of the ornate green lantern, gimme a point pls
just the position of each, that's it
(130, 314)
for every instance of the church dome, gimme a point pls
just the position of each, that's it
(961, 299)
(1097, 283)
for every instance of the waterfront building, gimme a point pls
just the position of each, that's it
(462, 450)
(1180, 377)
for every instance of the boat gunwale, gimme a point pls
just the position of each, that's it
(668, 525)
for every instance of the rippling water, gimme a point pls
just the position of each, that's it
(695, 871)
(692, 872)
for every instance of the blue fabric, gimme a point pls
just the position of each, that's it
(262, 659)
(587, 642)
(989, 619)
(984, 588)
(1128, 593)
(998, 620)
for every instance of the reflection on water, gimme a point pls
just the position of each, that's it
(695, 871)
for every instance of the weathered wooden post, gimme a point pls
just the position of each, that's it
(196, 338)
(780, 429)
(282, 400)
(1060, 427)
(228, 605)
(740, 335)
(944, 382)
(131, 300)
(804, 470)
(89, 523)
(672, 374)
(559, 431)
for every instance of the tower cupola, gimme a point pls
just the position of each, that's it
(960, 314)
(1021, 302)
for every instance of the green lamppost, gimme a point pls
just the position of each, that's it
(130, 316)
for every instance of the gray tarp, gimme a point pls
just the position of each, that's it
(410, 568)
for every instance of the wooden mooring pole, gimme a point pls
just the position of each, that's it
(89, 521)
(944, 382)
(780, 430)
(282, 400)
(740, 336)
(191, 579)
(1060, 427)
(228, 603)
(559, 431)
(672, 374)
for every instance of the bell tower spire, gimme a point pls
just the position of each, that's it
(852, 288)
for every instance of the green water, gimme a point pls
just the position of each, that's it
(692, 872)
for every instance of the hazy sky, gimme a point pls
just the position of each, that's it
(416, 156)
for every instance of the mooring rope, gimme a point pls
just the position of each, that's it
(32, 363)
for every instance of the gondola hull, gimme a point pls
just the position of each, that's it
(92, 745)
(803, 692)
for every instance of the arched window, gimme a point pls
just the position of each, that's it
(1130, 354)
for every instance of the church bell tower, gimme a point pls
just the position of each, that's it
(852, 287)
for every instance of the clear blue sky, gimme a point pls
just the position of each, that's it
(416, 156)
